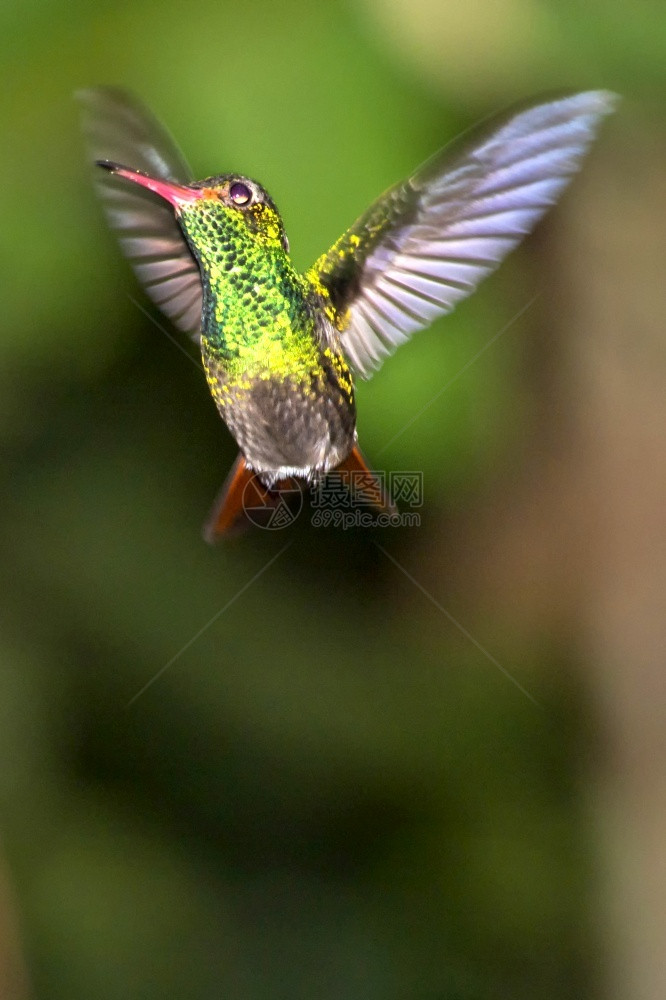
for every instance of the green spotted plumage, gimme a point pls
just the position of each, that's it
(279, 347)
(269, 348)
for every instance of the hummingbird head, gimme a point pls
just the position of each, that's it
(228, 209)
(239, 199)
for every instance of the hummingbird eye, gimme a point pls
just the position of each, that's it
(240, 194)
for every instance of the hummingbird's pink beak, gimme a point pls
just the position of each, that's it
(175, 194)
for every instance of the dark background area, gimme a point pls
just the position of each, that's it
(409, 763)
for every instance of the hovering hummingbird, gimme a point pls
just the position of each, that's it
(280, 348)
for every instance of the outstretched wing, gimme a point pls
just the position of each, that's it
(117, 127)
(428, 242)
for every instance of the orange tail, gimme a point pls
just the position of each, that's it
(363, 483)
(244, 500)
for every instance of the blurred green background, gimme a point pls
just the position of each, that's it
(334, 790)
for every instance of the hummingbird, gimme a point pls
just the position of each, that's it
(280, 348)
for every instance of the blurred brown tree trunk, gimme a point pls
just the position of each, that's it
(13, 980)
(580, 542)
(621, 341)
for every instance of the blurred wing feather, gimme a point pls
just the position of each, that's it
(117, 127)
(428, 242)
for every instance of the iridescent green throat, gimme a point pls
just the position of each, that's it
(258, 311)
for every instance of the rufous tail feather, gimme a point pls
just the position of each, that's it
(243, 490)
(363, 484)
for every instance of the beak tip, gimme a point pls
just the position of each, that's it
(175, 194)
